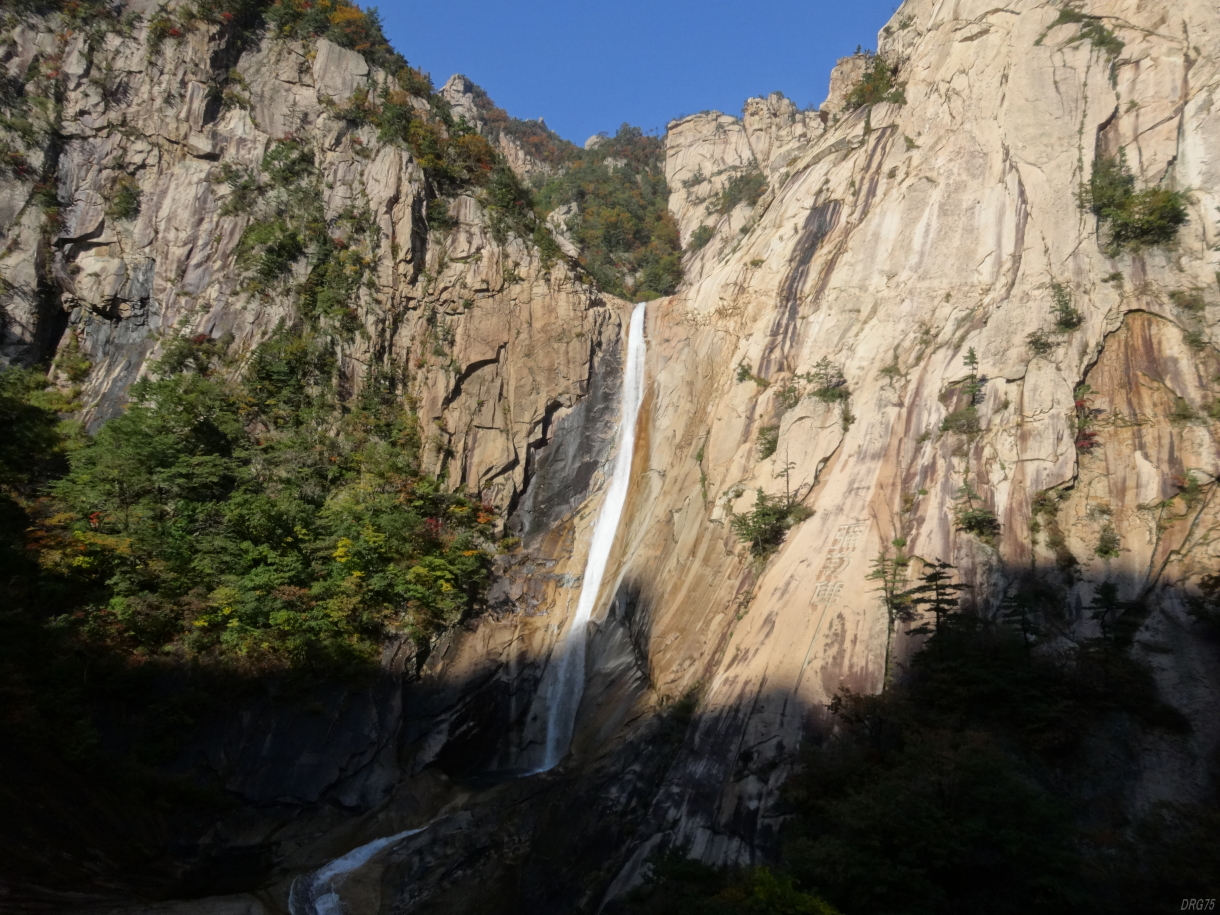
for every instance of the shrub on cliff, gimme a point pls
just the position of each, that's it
(767, 523)
(700, 238)
(745, 187)
(973, 517)
(1131, 219)
(124, 202)
(878, 84)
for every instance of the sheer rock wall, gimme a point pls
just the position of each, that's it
(898, 240)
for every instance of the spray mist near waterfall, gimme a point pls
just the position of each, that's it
(567, 687)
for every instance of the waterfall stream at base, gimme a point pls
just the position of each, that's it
(566, 690)
(315, 894)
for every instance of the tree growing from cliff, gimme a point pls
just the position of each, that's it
(890, 572)
(1131, 219)
(936, 594)
(767, 523)
(973, 517)
(878, 84)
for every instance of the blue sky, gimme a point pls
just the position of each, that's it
(588, 67)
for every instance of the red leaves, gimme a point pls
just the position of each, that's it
(1086, 441)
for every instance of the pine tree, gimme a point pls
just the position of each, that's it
(890, 571)
(1019, 611)
(938, 595)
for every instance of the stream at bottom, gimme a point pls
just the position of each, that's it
(316, 893)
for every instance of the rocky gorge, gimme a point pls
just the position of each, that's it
(902, 321)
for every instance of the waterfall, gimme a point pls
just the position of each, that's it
(315, 894)
(566, 689)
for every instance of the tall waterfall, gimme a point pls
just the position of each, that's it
(565, 692)
(315, 894)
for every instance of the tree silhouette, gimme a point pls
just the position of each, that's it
(890, 571)
(938, 595)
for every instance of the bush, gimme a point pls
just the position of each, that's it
(745, 373)
(1108, 543)
(1182, 412)
(746, 187)
(1039, 344)
(1091, 30)
(267, 250)
(830, 385)
(1067, 318)
(124, 200)
(975, 518)
(768, 441)
(1133, 219)
(877, 85)
(962, 422)
(765, 526)
(700, 237)
(1188, 299)
(1195, 339)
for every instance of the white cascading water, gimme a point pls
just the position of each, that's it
(566, 689)
(316, 895)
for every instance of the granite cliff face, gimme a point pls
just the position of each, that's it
(892, 242)
(887, 243)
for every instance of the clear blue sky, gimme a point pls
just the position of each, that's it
(588, 67)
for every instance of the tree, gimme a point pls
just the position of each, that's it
(936, 594)
(975, 519)
(890, 572)
(1018, 610)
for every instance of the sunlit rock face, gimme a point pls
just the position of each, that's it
(885, 244)
(892, 244)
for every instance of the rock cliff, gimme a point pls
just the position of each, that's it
(925, 259)
(893, 243)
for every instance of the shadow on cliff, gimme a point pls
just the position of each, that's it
(1042, 746)
(253, 787)
(189, 783)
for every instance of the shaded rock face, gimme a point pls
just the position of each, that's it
(889, 242)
